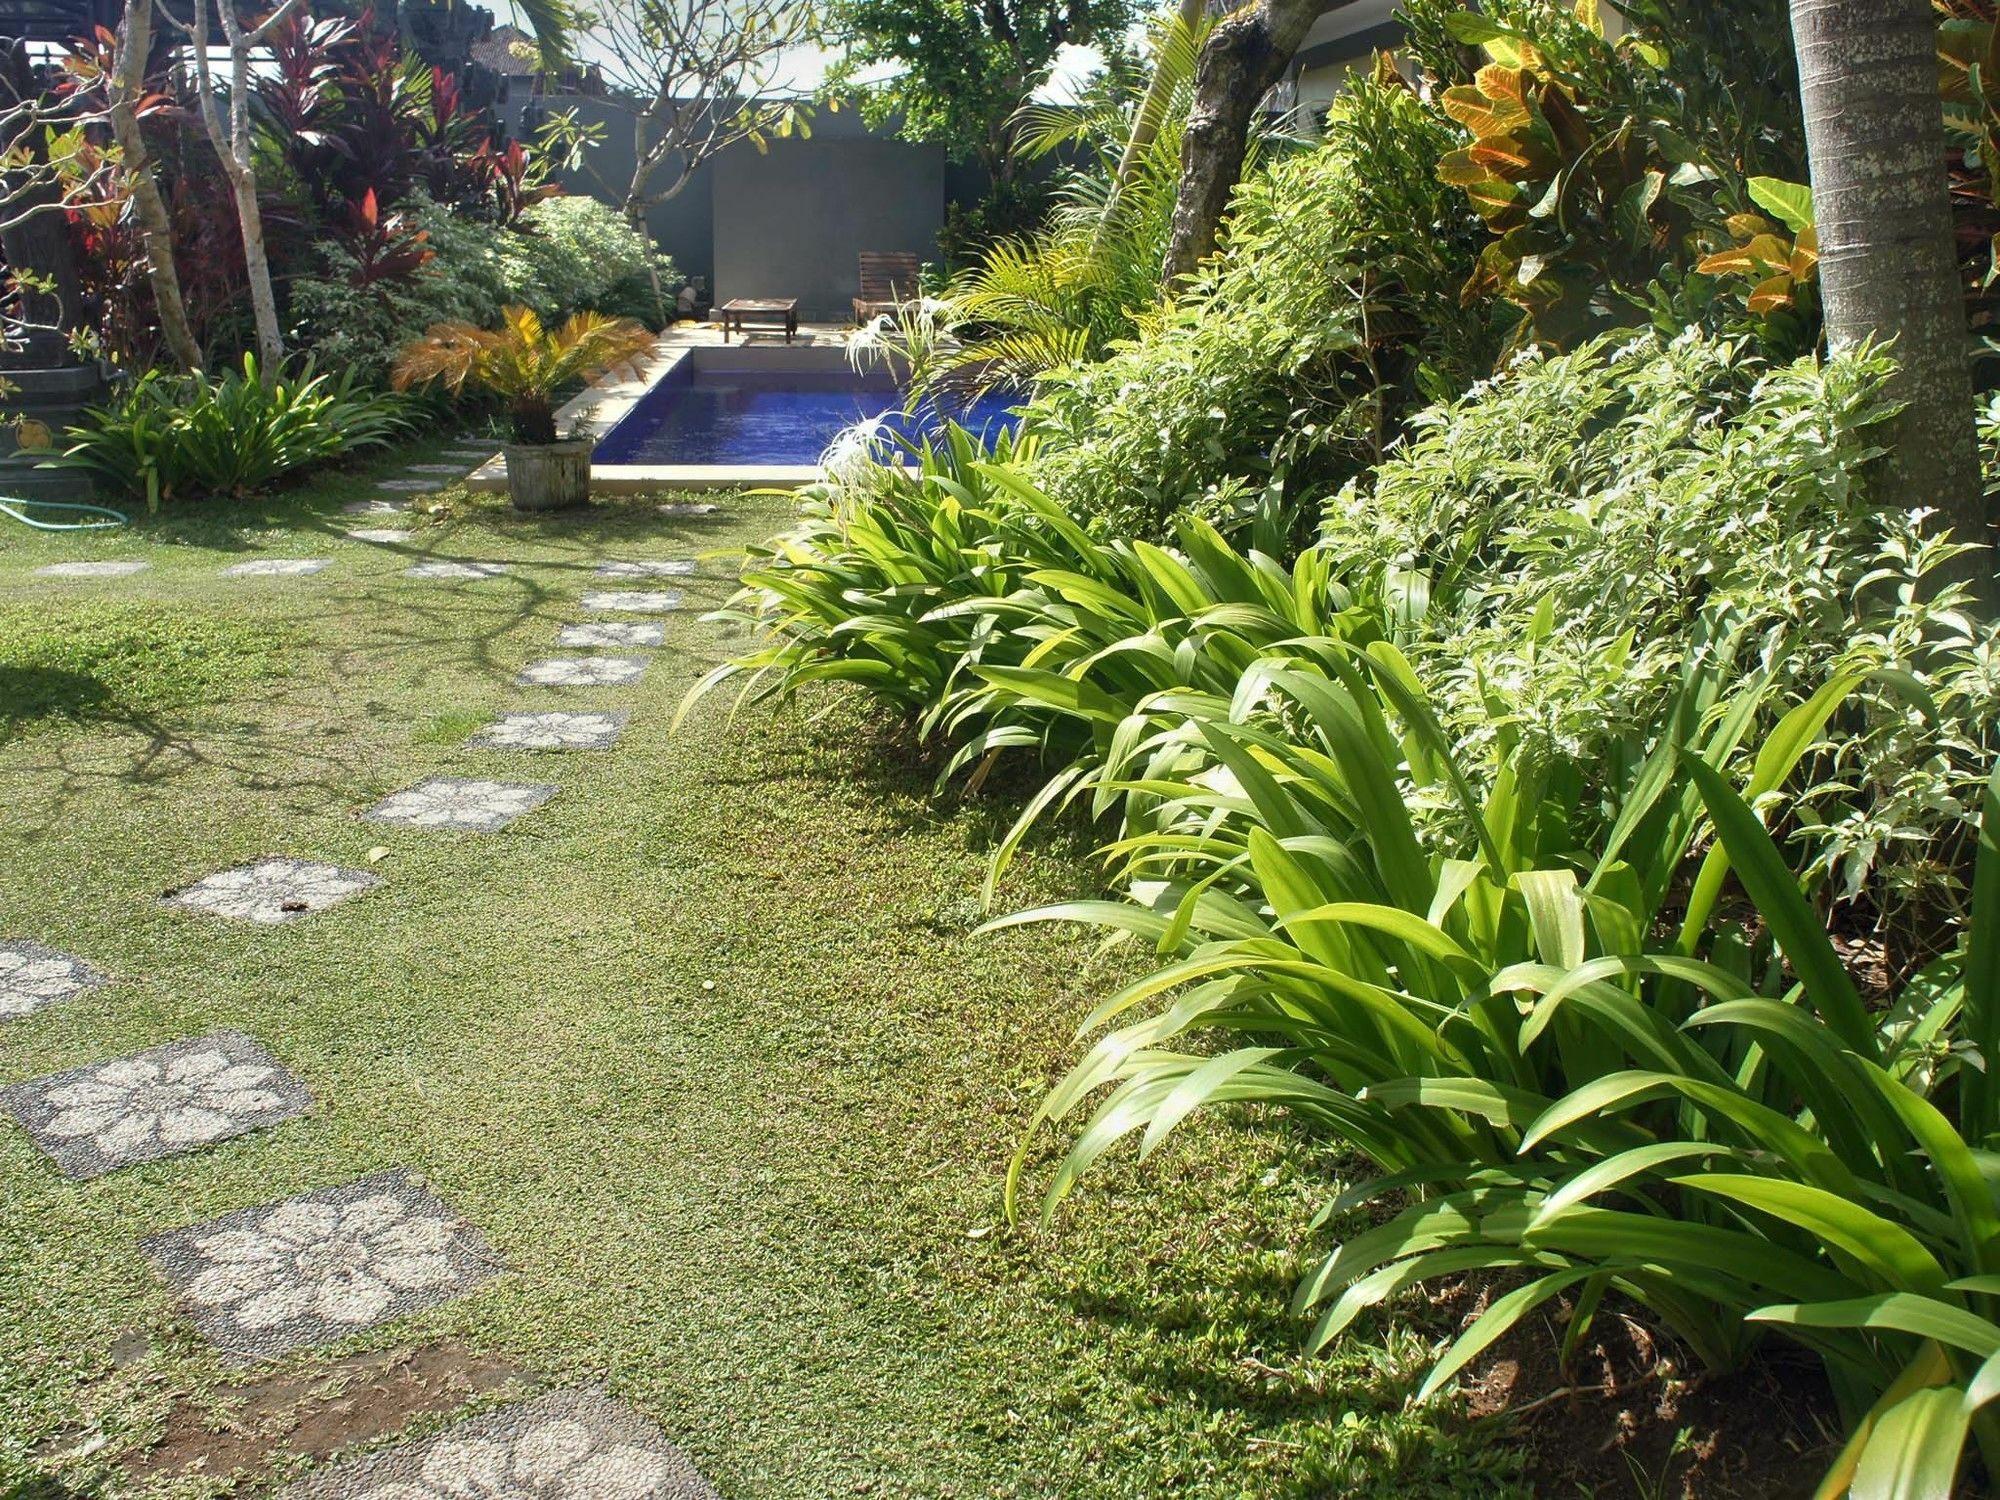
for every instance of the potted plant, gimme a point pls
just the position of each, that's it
(528, 367)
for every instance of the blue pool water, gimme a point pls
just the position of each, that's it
(776, 417)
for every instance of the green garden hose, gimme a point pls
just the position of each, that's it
(8, 504)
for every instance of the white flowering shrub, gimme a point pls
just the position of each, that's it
(1557, 543)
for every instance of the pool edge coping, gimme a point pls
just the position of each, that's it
(600, 407)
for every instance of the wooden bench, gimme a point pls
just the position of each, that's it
(888, 282)
(771, 311)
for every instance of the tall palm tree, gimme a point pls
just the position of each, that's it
(1868, 80)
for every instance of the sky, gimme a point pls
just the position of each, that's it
(803, 69)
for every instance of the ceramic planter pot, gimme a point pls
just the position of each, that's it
(549, 476)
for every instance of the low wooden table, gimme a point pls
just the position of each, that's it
(782, 311)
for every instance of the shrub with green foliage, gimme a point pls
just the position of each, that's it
(1553, 544)
(567, 255)
(1283, 371)
(178, 436)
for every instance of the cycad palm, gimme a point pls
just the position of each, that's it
(523, 363)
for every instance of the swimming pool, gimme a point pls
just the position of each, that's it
(724, 412)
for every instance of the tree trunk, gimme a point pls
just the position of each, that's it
(128, 87)
(1246, 53)
(1868, 79)
(232, 144)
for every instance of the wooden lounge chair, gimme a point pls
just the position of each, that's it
(888, 280)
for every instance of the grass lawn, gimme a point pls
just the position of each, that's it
(706, 1048)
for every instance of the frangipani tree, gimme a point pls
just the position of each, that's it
(696, 77)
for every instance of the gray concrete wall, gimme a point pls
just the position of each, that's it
(793, 221)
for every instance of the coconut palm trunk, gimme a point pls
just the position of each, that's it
(1868, 79)
(1246, 53)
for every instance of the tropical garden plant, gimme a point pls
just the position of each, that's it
(179, 436)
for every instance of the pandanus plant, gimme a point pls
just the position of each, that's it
(525, 364)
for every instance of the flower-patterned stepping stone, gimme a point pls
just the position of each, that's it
(676, 568)
(551, 730)
(612, 633)
(165, 1101)
(684, 508)
(387, 538)
(277, 567)
(633, 601)
(405, 486)
(566, 1445)
(456, 570)
(275, 889)
(92, 569)
(437, 468)
(374, 508)
(32, 976)
(582, 671)
(319, 1266)
(462, 803)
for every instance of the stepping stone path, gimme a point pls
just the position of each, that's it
(165, 1101)
(322, 1265)
(553, 730)
(456, 570)
(277, 567)
(612, 633)
(676, 569)
(582, 671)
(32, 977)
(325, 1264)
(633, 601)
(93, 569)
(275, 889)
(375, 508)
(461, 803)
(567, 1445)
(437, 468)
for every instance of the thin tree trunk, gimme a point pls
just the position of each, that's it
(128, 87)
(1246, 53)
(1875, 136)
(232, 145)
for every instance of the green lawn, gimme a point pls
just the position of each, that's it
(707, 1047)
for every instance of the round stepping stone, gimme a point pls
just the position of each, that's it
(633, 601)
(612, 633)
(683, 508)
(408, 486)
(569, 1443)
(481, 453)
(551, 730)
(437, 468)
(275, 889)
(456, 570)
(165, 1101)
(32, 976)
(386, 538)
(582, 671)
(309, 1269)
(277, 567)
(461, 803)
(375, 508)
(678, 568)
(92, 569)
